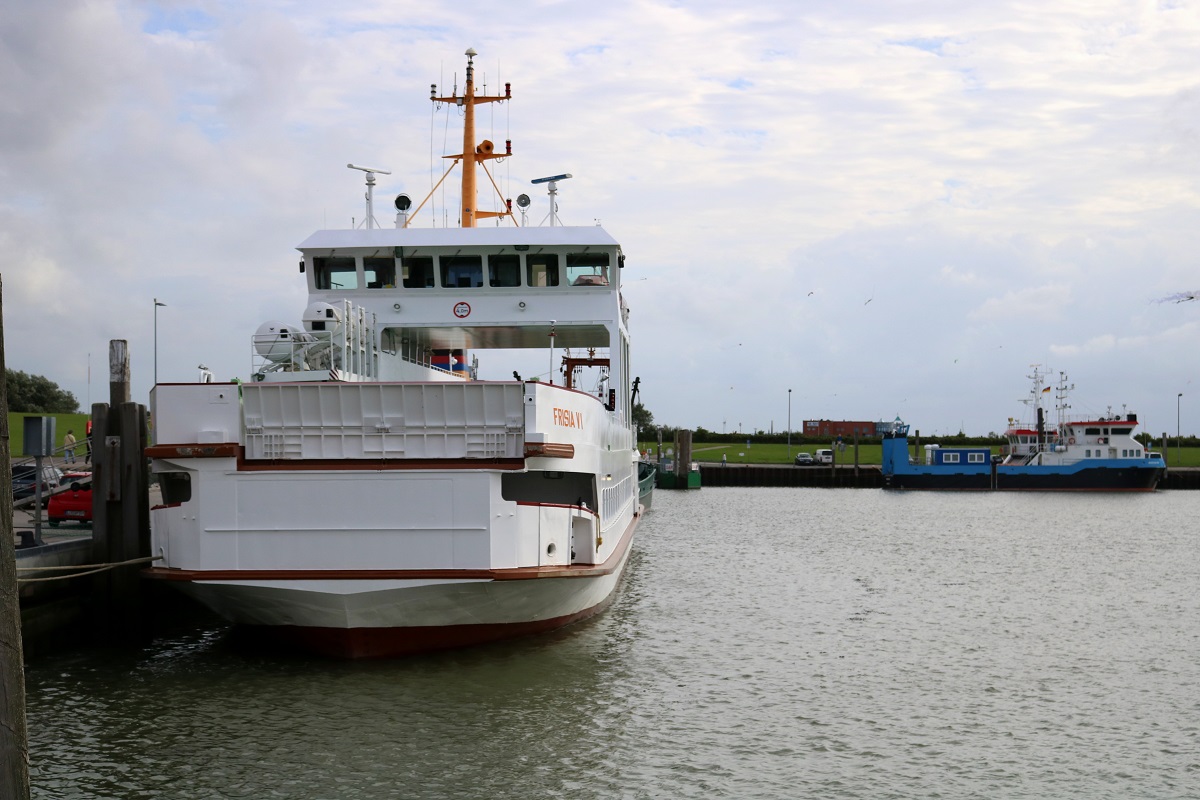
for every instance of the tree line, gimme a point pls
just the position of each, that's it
(35, 394)
(647, 431)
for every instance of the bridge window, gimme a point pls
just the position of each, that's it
(462, 272)
(542, 269)
(504, 270)
(335, 272)
(379, 273)
(587, 269)
(418, 272)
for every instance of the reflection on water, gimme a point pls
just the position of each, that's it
(766, 643)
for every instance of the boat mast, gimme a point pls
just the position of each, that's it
(1060, 400)
(1039, 413)
(473, 154)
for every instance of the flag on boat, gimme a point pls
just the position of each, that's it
(1045, 390)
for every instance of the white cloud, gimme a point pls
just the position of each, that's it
(1043, 303)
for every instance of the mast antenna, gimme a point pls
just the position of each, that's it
(553, 189)
(474, 154)
(371, 171)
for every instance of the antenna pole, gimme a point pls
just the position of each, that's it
(370, 222)
(469, 197)
(370, 200)
(552, 186)
(473, 154)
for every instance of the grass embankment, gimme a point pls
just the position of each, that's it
(867, 453)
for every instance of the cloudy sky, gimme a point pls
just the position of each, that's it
(888, 208)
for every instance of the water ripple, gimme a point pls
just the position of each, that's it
(766, 644)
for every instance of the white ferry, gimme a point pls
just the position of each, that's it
(365, 493)
(1092, 454)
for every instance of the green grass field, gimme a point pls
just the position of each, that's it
(867, 454)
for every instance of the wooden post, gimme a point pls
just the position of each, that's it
(135, 519)
(120, 504)
(102, 582)
(14, 736)
(683, 457)
(118, 373)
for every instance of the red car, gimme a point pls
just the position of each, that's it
(73, 504)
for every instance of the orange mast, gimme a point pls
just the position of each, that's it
(473, 154)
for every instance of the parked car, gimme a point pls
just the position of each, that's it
(804, 460)
(73, 504)
(824, 457)
(24, 480)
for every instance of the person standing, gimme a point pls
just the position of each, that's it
(69, 447)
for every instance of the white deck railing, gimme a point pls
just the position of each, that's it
(383, 420)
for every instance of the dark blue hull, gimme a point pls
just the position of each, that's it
(1027, 479)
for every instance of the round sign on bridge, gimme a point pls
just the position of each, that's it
(462, 310)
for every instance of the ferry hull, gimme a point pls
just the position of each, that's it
(647, 476)
(392, 642)
(359, 614)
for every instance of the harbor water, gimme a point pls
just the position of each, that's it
(766, 643)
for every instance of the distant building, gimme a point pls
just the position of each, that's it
(845, 428)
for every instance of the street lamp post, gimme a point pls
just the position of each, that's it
(789, 426)
(156, 305)
(1178, 452)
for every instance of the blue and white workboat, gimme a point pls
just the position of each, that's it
(1097, 454)
(369, 491)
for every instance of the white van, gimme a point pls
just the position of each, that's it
(824, 456)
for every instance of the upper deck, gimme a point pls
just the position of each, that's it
(555, 236)
(475, 287)
(450, 288)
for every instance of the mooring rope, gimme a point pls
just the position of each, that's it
(91, 569)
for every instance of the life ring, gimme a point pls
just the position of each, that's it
(1071, 440)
